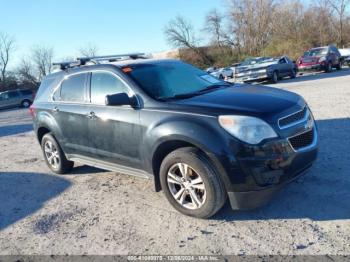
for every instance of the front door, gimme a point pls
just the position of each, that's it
(114, 130)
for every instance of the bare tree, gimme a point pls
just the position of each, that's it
(340, 7)
(89, 50)
(26, 73)
(7, 47)
(214, 26)
(180, 33)
(42, 58)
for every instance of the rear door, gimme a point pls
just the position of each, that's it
(71, 111)
(14, 98)
(114, 130)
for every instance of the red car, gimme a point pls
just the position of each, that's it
(320, 58)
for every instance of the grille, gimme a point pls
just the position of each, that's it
(292, 118)
(302, 140)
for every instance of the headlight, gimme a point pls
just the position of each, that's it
(246, 128)
(322, 59)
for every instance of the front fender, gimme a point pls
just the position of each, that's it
(204, 134)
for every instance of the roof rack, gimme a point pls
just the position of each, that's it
(110, 58)
(97, 59)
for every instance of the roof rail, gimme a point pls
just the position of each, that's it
(110, 58)
(96, 59)
(66, 65)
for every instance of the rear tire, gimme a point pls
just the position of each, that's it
(25, 103)
(191, 184)
(54, 156)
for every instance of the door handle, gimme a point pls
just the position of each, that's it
(91, 115)
(55, 109)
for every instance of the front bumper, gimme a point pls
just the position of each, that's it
(268, 168)
(254, 199)
(316, 67)
(250, 77)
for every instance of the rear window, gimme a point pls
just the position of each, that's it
(73, 88)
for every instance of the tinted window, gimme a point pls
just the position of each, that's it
(103, 84)
(13, 94)
(72, 89)
(26, 92)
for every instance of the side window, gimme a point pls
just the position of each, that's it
(103, 84)
(282, 61)
(73, 88)
(26, 92)
(13, 94)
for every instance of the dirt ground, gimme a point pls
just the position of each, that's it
(93, 211)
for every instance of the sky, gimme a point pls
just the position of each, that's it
(115, 26)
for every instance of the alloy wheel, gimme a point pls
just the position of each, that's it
(186, 186)
(52, 154)
(26, 104)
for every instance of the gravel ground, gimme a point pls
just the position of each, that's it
(92, 211)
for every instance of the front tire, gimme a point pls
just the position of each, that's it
(328, 67)
(54, 156)
(274, 78)
(339, 65)
(293, 73)
(191, 184)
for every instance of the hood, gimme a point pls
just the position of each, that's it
(255, 66)
(244, 99)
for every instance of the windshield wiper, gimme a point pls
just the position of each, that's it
(196, 93)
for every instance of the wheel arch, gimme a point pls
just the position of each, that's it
(176, 142)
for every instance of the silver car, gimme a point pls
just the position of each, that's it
(15, 98)
(222, 73)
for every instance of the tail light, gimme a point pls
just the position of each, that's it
(32, 110)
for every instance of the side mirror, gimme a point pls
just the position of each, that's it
(119, 99)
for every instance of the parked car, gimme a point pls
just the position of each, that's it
(345, 55)
(211, 69)
(264, 68)
(15, 98)
(200, 139)
(347, 61)
(320, 58)
(223, 73)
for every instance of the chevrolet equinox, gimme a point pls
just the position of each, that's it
(200, 139)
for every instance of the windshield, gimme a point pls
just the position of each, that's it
(167, 79)
(316, 52)
(256, 60)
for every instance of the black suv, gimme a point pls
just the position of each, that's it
(198, 138)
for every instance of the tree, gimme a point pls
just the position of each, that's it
(89, 50)
(179, 33)
(340, 7)
(42, 59)
(25, 72)
(214, 26)
(7, 47)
